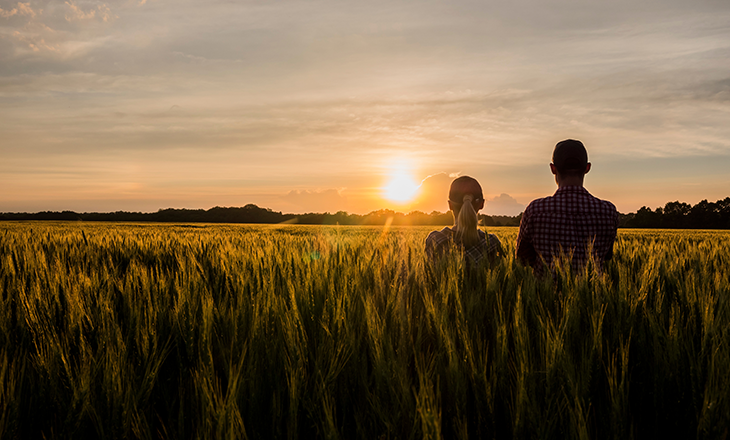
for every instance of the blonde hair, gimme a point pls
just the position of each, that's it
(464, 191)
(466, 222)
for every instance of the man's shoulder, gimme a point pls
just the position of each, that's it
(604, 205)
(569, 196)
(538, 204)
(609, 205)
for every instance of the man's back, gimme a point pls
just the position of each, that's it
(571, 221)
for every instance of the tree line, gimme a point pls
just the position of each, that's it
(679, 215)
(674, 215)
(254, 214)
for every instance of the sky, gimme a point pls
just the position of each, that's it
(321, 105)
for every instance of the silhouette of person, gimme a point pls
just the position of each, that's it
(465, 199)
(571, 221)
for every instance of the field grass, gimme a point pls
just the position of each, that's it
(230, 331)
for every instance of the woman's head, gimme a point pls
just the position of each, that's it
(463, 186)
(465, 199)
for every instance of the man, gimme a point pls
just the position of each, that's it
(571, 222)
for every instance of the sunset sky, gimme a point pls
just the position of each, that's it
(304, 106)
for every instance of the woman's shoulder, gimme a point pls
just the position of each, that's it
(438, 242)
(488, 238)
(493, 243)
(444, 234)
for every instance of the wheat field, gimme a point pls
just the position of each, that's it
(243, 331)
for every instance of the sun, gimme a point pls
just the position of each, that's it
(401, 188)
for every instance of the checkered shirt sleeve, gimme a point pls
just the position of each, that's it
(572, 222)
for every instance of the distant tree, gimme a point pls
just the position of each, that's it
(723, 208)
(441, 218)
(341, 218)
(703, 213)
(646, 218)
(675, 215)
(487, 220)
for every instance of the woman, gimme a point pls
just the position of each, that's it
(465, 199)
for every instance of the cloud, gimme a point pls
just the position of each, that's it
(19, 9)
(328, 200)
(34, 42)
(504, 204)
(51, 37)
(433, 193)
(327, 92)
(105, 13)
(77, 13)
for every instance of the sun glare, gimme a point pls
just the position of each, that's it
(401, 189)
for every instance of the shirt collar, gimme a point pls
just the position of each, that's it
(572, 189)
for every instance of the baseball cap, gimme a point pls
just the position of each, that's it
(570, 155)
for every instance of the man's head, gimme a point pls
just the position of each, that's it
(570, 162)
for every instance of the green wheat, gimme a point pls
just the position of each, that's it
(236, 331)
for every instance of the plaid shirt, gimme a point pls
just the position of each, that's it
(571, 220)
(439, 242)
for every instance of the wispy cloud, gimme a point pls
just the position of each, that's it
(313, 95)
(76, 13)
(19, 9)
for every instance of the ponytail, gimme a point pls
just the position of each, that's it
(466, 222)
